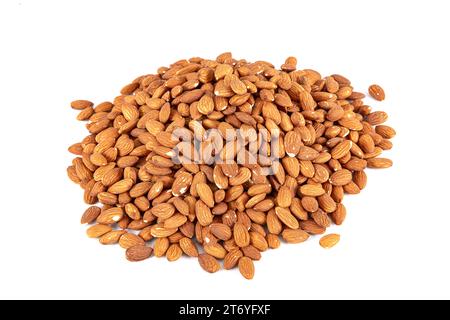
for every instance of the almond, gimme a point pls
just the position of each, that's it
(121, 186)
(293, 143)
(246, 268)
(111, 237)
(174, 252)
(129, 240)
(385, 131)
(341, 177)
(188, 247)
(284, 214)
(138, 253)
(216, 250)
(205, 194)
(160, 247)
(341, 149)
(81, 104)
(294, 236)
(379, 163)
(90, 215)
(273, 241)
(205, 105)
(203, 213)
(311, 227)
(284, 197)
(258, 241)
(329, 241)
(312, 190)
(110, 216)
(377, 92)
(377, 117)
(339, 214)
(252, 252)
(208, 263)
(221, 231)
(181, 184)
(241, 235)
(175, 221)
(232, 259)
(163, 210)
(238, 86)
(98, 230)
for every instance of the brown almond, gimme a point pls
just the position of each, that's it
(385, 131)
(129, 240)
(208, 263)
(90, 215)
(339, 214)
(205, 105)
(232, 259)
(111, 237)
(110, 216)
(341, 177)
(294, 236)
(138, 253)
(312, 190)
(284, 197)
(97, 230)
(221, 231)
(174, 252)
(379, 163)
(175, 221)
(329, 241)
(160, 247)
(273, 241)
(188, 247)
(377, 92)
(246, 268)
(205, 193)
(285, 215)
(342, 149)
(241, 235)
(121, 186)
(81, 104)
(311, 227)
(163, 210)
(203, 213)
(238, 86)
(377, 117)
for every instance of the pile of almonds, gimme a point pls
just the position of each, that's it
(321, 138)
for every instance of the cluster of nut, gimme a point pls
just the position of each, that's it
(221, 159)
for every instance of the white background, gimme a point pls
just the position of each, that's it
(395, 242)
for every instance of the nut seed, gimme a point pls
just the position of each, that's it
(226, 154)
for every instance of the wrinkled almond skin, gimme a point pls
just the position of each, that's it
(221, 231)
(208, 263)
(138, 253)
(246, 268)
(329, 241)
(160, 247)
(241, 235)
(98, 230)
(174, 252)
(188, 247)
(130, 240)
(232, 259)
(90, 215)
(111, 237)
(379, 163)
(294, 236)
(377, 92)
